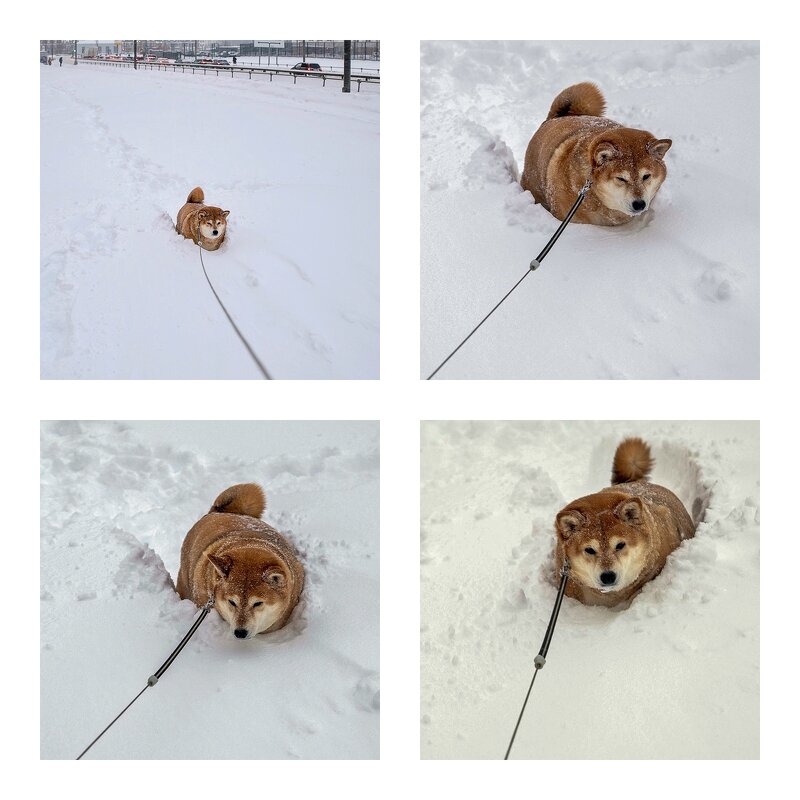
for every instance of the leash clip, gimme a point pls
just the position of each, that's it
(586, 187)
(565, 568)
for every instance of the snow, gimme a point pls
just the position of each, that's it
(674, 294)
(116, 501)
(674, 676)
(124, 296)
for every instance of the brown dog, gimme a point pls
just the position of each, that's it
(249, 569)
(204, 225)
(576, 143)
(619, 539)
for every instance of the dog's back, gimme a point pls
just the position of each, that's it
(194, 202)
(629, 474)
(575, 115)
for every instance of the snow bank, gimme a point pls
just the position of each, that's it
(117, 500)
(124, 296)
(674, 294)
(675, 676)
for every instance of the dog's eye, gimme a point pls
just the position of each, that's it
(645, 177)
(620, 545)
(621, 179)
(591, 551)
(257, 603)
(232, 603)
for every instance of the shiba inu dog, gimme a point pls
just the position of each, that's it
(575, 143)
(205, 225)
(619, 538)
(249, 569)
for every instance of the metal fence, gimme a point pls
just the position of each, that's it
(248, 69)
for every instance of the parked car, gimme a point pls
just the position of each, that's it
(204, 61)
(163, 61)
(220, 62)
(307, 66)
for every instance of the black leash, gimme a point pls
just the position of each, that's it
(533, 266)
(539, 661)
(153, 679)
(250, 350)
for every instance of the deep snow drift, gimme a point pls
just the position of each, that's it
(124, 296)
(674, 294)
(674, 676)
(117, 500)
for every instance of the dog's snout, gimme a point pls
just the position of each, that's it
(639, 205)
(608, 578)
(240, 633)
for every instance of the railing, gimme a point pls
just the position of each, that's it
(358, 78)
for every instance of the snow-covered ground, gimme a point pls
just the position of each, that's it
(116, 501)
(675, 676)
(672, 295)
(124, 296)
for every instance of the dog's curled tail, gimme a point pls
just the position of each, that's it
(582, 99)
(632, 461)
(244, 498)
(196, 195)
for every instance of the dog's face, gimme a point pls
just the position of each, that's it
(213, 222)
(628, 169)
(606, 538)
(251, 593)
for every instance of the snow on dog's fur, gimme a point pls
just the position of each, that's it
(204, 225)
(249, 569)
(619, 538)
(575, 143)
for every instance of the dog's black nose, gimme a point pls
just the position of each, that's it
(608, 578)
(216, 232)
(241, 633)
(638, 205)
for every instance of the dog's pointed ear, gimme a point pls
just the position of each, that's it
(225, 213)
(274, 577)
(604, 152)
(659, 147)
(567, 522)
(222, 564)
(630, 511)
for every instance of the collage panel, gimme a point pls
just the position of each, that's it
(651, 149)
(267, 533)
(620, 559)
(209, 209)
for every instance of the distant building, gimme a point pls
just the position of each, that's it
(89, 48)
(293, 48)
